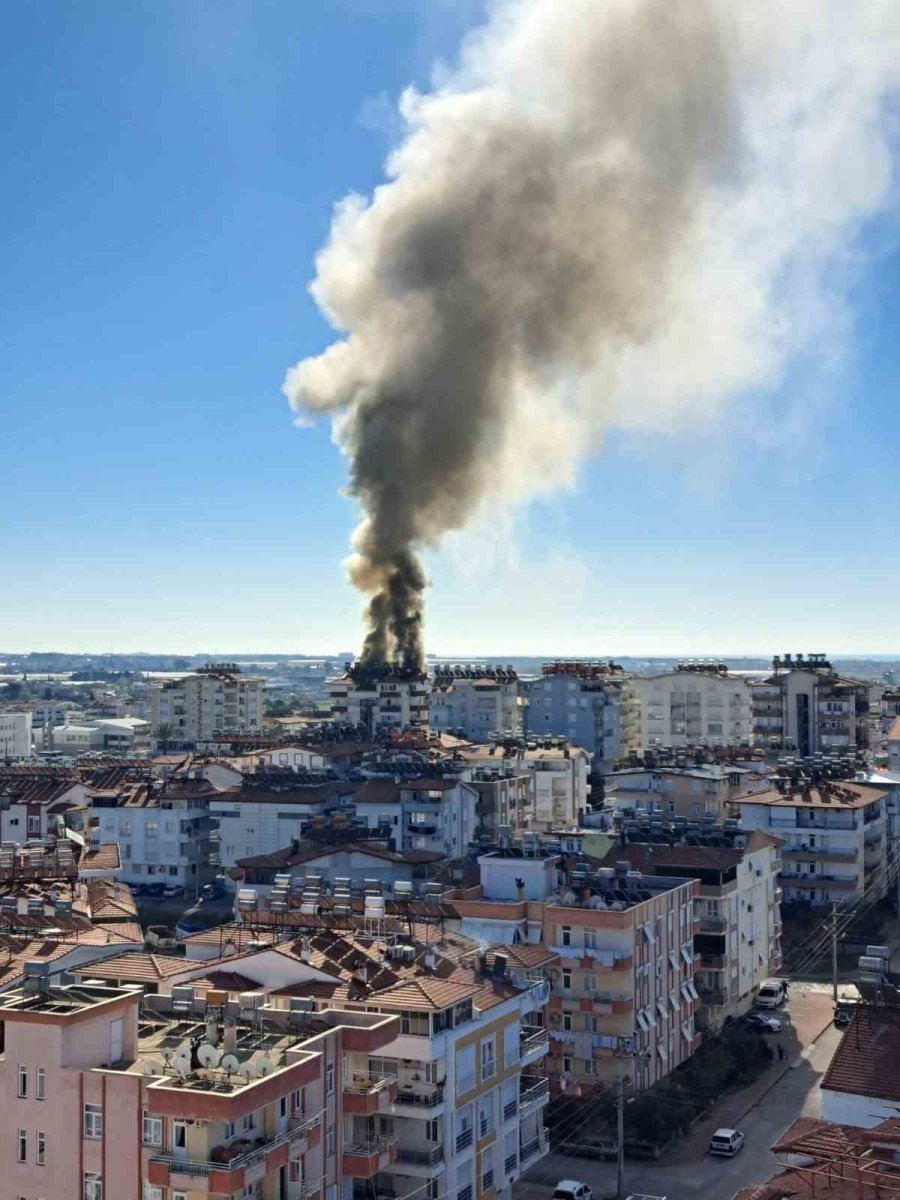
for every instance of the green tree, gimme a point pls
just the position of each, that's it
(163, 733)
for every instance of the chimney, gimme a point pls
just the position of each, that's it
(229, 1040)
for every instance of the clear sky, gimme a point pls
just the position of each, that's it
(169, 173)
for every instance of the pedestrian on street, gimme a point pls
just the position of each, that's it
(780, 1052)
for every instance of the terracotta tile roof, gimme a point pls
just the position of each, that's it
(136, 968)
(103, 858)
(426, 994)
(227, 981)
(523, 955)
(290, 857)
(836, 796)
(110, 901)
(865, 1061)
(378, 791)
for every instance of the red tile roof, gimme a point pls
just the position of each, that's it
(865, 1062)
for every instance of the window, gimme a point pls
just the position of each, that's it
(22, 1146)
(93, 1186)
(590, 983)
(297, 1101)
(40, 1084)
(329, 1079)
(93, 1121)
(566, 980)
(151, 1193)
(488, 1064)
(23, 1083)
(567, 1020)
(247, 1123)
(41, 1156)
(567, 935)
(329, 1141)
(152, 1130)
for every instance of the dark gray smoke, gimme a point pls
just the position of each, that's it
(543, 223)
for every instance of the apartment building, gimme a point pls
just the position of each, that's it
(476, 702)
(893, 746)
(380, 699)
(624, 941)
(206, 707)
(806, 706)
(108, 735)
(694, 793)
(162, 827)
(833, 835)
(201, 1096)
(586, 702)
(505, 801)
(697, 704)
(15, 735)
(559, 773)
(435, 815)
(35, 803)
(737, 945)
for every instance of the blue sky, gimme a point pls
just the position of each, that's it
(169, 175)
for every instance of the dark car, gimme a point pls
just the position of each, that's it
(154, 889)
(843, 1011)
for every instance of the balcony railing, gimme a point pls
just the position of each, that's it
(420, 1158)
(198, 1167)
(487, 1180)
(369, 1147)
(712, 924)
(510, 1108)
(464, 1139)
(465, 1193)
(509, 1163)
(532, 1148)
(533, 1093)
(421, 1099)
(533, 1040)
(363, 1083)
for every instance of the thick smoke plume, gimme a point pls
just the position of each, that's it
(611, 212)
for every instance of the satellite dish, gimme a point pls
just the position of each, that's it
(183, 1068)
(182, 1060)
(208, 1055)
(153, 1068)
(264, 1066)
(246, 1070)
(230, 1064)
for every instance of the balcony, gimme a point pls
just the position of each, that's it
(713, 962)
(365, 1158)
(423, 1159)
(534, 1043)
(422, 1103)
(533, 1148)
(509, 1163)
(712, 925)
(510, 1108)
(236, 1170)
(817, 853)
(713, 997)
(534, 1094)
(366, 1093)
(464, 1139)
(465, 1193)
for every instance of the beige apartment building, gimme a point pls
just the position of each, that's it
(380, 700)
(476, 702)
(209, 706)
(623, 941)
(807, 707)
(695, 793)
(697, 704)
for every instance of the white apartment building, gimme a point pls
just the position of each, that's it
(107, 735)
(162, 829)
(806, 706)
(834, 837)
(476, 702)
(436, 815)
(380, 700)
(559, 773)
(208, 706)
(15, 735)
(697, 704)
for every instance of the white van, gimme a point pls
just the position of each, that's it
(772, 993)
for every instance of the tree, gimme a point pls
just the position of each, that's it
(163, 734)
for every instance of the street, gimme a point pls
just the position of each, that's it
(688, 1173)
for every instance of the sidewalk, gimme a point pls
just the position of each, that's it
(810, 1015)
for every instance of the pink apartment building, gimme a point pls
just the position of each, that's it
(113, 1095)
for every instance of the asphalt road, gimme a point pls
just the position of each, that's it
(795, 1094)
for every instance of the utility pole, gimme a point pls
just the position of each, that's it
(834, 948)
(620, 1126)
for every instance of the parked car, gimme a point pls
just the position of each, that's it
(843, 1012)
(154, 889)
(173, 891)
(772, 993)
(726, 1142)
(571, 1189)
(212, 891)
(764, 1023)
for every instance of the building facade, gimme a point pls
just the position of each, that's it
(806, 706)
(697, 704)
(581, 701)
(559, 773)
(15, 735)
(834, 837)
(476, 702)
(208, 706)
(380, 700)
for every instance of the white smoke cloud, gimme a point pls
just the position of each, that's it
(627, 213)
